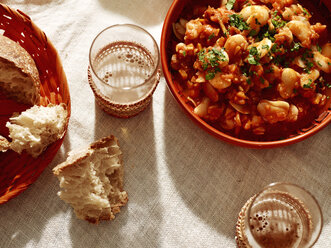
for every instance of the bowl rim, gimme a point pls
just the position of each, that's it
(203, 124)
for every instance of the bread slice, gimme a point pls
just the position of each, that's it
(37, 127)
(4, 144)
(92, 180)
(19, 77)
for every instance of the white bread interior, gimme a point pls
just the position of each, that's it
(4, 144)
(37, 127)
(92, 180)
(19, 76)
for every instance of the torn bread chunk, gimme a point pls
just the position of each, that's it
(92, 180)
(19, 76)
(4, 144)
(37, 127)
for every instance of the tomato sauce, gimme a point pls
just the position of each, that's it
(279, 130)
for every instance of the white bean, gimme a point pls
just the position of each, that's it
(301, 30)
(263, 47)
(289, 81)
(234, 44)
(202, 108)
(322, 62)
(326, 50)
(293, 113)
(193, 29)
(218, 82)
(256, 16)
(308, 78)
(273, 111)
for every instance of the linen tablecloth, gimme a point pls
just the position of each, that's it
(185, 187)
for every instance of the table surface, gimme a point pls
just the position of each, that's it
(185, 187)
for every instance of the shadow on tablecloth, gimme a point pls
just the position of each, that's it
(23, 218)
(132, 227)
(215, 179)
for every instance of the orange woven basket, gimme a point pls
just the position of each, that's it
(17, 172)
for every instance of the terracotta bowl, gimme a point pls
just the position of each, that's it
(17, 172)
(167, 32)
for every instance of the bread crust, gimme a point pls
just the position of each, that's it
(11, 53)
(82, 154)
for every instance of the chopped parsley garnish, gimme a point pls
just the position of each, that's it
(266, 33)
(261, 80)
(275, 48)
(238, 22)
(210, 61)
(229, 4)
(252, 32)
(319, 49)
(184, 53)
(279, 60)
(308, 67)
(296, 47)
(308, 85)
(278, 22)
(305, 56)
(328, 85)
(252, 60)
(269, 35)
(265, 47)
(275, 13)
(305, 11)
(246, 73)
(201, 56)
(253, 57)
(211, 36)
(253, 51)
(211, 74)
(226, 33)
(279, 56)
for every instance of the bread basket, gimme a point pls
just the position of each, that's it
(18, 172)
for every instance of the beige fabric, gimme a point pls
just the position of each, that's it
(186, 188)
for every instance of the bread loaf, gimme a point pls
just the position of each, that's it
(34, 129)
(19, 77)
(92, 180)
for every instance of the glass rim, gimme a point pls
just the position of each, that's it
(294, 185)
(155, 71)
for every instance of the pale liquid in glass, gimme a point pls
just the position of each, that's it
(124, 66)
(280, 220)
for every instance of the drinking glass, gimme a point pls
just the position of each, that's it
(124, 69)
(282, 215)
